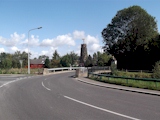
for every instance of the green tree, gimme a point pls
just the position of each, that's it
(127, 37)
(69, 59)
(42, 57)
(47, 63)
(95, 59)
(55, 62)
(6, 60)
(103, 59)
(65, 60)
(89, 61)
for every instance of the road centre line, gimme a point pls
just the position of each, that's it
(45, 86)
(102, 109)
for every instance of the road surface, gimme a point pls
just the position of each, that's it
(62, 97)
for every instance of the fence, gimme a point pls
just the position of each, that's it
(64, 68)
(142, 71)
(95, 69)
(147, 83)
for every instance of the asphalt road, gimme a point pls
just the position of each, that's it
(61, 97)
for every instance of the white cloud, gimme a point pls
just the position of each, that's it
(89, 40)
(14, 49)
(14, 40)
(33, 41)
(2, 50)
(59, 41)
(63, 43)
(78, 34)
(94, 48)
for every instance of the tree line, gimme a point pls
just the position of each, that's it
(132, 38)
(8, 60)
(72, 59)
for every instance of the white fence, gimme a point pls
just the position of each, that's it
(65, 68)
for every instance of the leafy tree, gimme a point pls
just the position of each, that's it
(47, 63)
(95, 59)
(65, 60)
(89, 61)
(42, 57)
(127, 37)
(69, 59)
(55, 62)
(6, 60)
(103, 59)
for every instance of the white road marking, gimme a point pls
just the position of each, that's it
(102, 109)
(18, 79)
(9, 83)
(45, 86)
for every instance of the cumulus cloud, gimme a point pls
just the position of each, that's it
(94, 48)
(72, 40)
(78, 34)
(2, 50)
(59, 41)
(33, 41)
(13, 40)
(14, 49)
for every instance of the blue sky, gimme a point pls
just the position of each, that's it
(65, 23)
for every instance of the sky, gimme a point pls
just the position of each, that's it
(64, 24)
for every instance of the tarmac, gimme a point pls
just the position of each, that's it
(119, 87)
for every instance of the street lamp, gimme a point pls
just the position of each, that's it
(28, 48)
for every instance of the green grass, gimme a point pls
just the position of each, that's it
(134, 74)
(20, 71)
(128, 82)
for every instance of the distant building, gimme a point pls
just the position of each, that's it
(37, 63)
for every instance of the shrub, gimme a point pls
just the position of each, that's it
(114, 69)
(156, 70)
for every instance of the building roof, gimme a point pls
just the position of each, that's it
(37, 61)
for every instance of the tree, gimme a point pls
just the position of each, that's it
(47, 63)
(55, 62)
(89, 62)
(69, 59)
(6, 60)
(65, 60)
(42, 57)
(95, 59)
(127, 37)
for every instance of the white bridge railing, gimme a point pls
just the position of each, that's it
(65, 68)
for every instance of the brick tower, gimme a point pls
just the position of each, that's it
(84, 55)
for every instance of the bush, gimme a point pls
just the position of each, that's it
(156, 70)
(114, 69)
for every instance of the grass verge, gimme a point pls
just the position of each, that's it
(20, 71)
(128, 82)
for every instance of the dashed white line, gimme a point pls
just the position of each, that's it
(102, 109)
(45, 86)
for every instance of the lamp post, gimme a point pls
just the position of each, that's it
(28, 48)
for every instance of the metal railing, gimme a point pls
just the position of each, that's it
(64, 69)
(96, 68)
(128, 80)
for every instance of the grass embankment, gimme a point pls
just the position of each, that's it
(134, 74)
(130, 82)
(20, 71)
